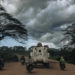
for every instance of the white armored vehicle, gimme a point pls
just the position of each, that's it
(39, 54)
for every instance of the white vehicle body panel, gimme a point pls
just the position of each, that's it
(39, 54)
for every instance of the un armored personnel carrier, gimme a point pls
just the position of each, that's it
(39, 54)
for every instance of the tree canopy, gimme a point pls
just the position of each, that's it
(10, 26)
(71, 33)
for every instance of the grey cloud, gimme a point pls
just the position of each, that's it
(52, 16)
(44, 19)
(24, 4)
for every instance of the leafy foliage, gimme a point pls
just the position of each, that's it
(11, 27)
(71, 32)
(10, 53)
(70, 56)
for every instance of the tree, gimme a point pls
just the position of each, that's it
(71, 32)
(11, 27)
(19, 49)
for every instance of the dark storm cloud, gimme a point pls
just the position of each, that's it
(44, 19)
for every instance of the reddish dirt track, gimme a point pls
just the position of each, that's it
(18, 69)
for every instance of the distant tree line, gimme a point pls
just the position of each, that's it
(10, 53)
(67, 52)
(69, 56)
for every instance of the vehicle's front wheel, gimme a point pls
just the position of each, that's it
(46, 65)
(29, 68)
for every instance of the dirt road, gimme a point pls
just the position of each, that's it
(18, 69)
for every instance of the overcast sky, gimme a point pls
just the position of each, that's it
(44, 19)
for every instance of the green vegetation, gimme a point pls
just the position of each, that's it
(12, 53)
(68, 55)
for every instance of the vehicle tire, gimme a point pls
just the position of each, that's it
(29, 68)
(1, 67)
(62, 66)
(46, 65)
